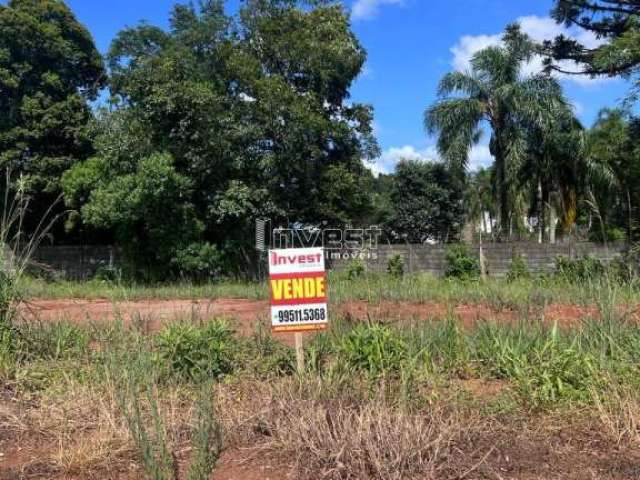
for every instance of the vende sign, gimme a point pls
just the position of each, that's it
(298, 286)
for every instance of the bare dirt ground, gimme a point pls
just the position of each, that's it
(157, 312)
(244, 314)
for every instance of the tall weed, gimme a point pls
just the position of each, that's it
(373, 349)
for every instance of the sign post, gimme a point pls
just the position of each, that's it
(298, 291)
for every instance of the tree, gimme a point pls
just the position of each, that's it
(426, 203)
(615, 22)
(480, 203)
(253, 112)
(554, 169)
(496, 94)
(135, 192)
(612, 146)
(49, 70)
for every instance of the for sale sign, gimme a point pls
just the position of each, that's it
(298, 284)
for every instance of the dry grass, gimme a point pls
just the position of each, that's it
(326, 429)
(85, 431)
(371, 441)
(618, 410)
(82, 425)
(333, 436)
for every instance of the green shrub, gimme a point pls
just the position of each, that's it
(318, 353)
(446, 344)
(580, 269)
(197, 352)
(460, 263)
(374, 349)
(554, 373)
(198, 261)
(107, 273)
(395, 266)
(625, 268)
(611, 234)
(355, 269)
(266, 356)
(518, 268)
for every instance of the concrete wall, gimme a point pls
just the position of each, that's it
(540, 258)
(81, 262)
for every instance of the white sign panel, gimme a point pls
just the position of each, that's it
(298, 289)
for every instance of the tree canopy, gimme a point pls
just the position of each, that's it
(49, 70)
(614, 22)
(495, 93)
(426, 203)
(250, 116)
(217, 121)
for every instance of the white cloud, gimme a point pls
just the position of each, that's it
(386, 163)
(578, 108)
(367, 72)
(539, 29)
(468, 46)
(368, 9)
(479, 156)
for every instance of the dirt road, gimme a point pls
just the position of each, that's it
(245, 313)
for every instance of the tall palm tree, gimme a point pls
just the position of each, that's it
(615, 160)
(494, 94)
(554, 172)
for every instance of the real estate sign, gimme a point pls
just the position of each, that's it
(298, 285)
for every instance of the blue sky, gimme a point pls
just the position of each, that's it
(411, 44)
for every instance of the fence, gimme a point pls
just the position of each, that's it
(82, 262)
(76, 262)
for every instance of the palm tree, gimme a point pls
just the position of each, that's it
(554, 168)
(494, 94)
(612, 152)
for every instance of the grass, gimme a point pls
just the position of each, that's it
(500, 294)
(429, 399)
(36, 288)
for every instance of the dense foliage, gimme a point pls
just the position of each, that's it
(427, 203)
(223, 119)
(533, 132)
(614, 23)
(49, 70)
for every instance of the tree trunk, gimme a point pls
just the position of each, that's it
(540, 212)
(483, 269)
(629, 220)
(598, 213)
(553, 220)
(501, 189)
(484, 224)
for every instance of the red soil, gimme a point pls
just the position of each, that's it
(152, 315)
(155, 313)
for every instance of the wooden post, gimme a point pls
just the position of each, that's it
(299, 352)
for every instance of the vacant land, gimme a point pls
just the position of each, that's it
(416, 378)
